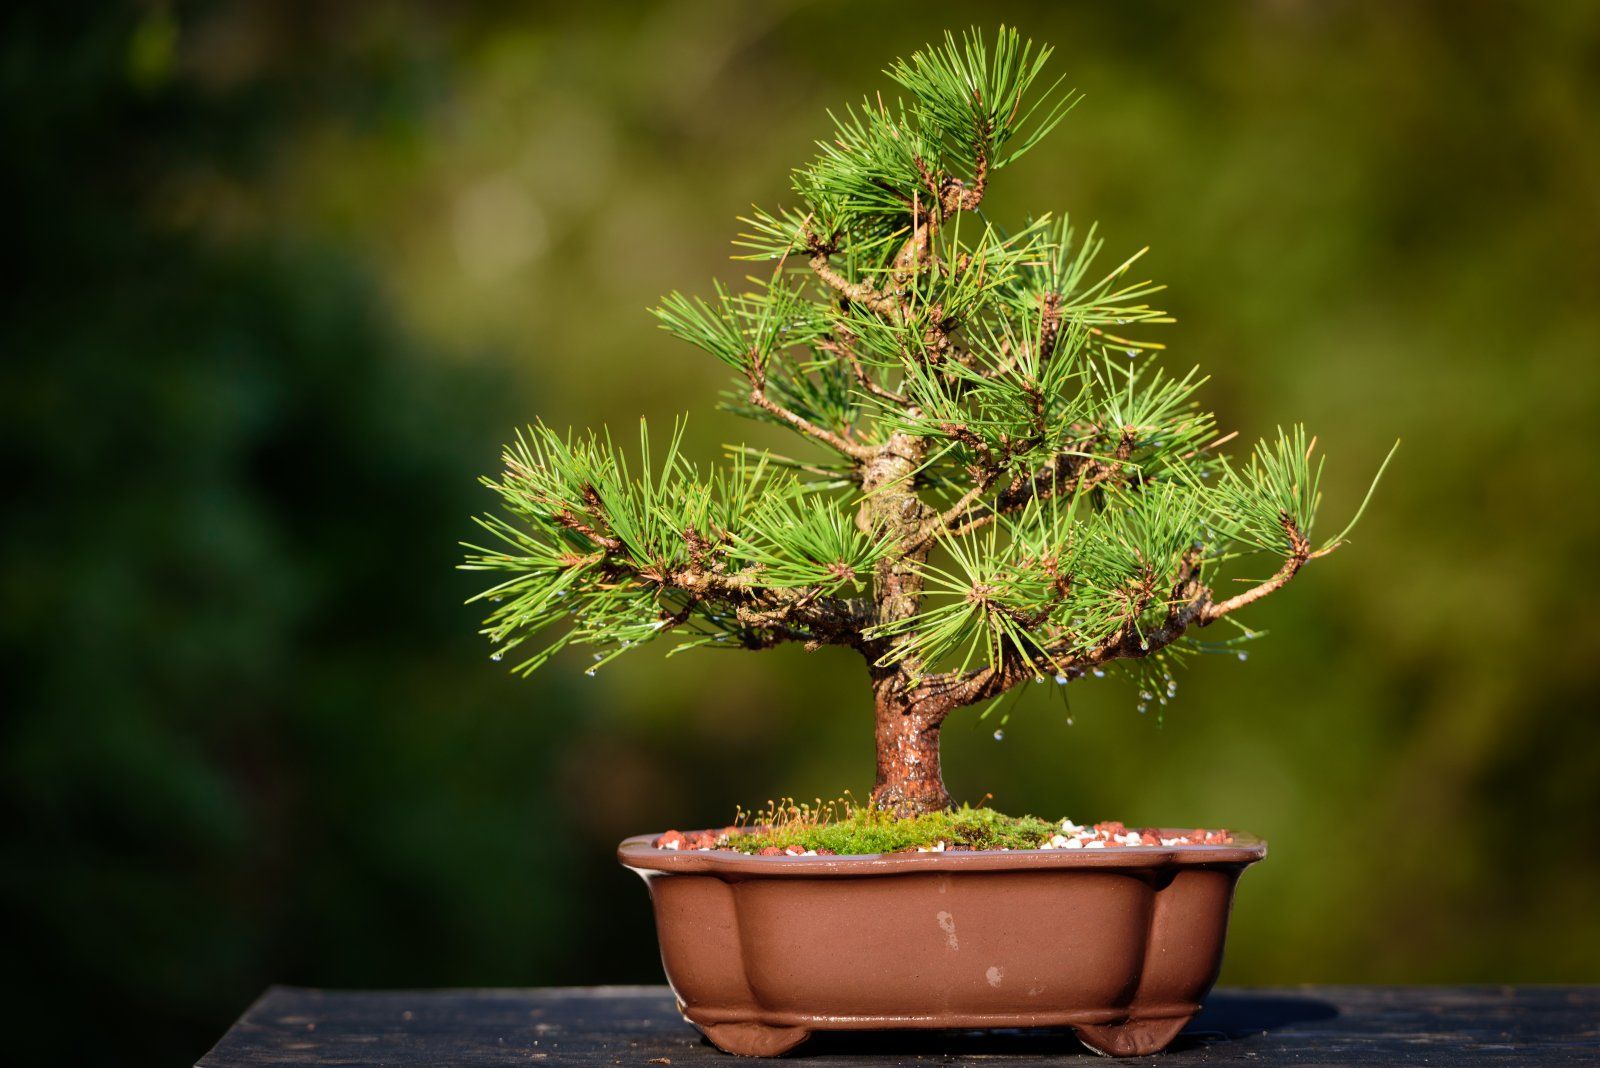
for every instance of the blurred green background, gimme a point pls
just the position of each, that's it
(284, 276)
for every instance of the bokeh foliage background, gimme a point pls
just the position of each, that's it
(283, 277)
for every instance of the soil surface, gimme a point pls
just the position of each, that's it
(1110, 834)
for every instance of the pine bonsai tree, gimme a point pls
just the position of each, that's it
(1004, 488)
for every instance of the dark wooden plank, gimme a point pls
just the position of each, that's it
(1321, 1025)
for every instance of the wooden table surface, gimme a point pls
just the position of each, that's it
(1309, 1025)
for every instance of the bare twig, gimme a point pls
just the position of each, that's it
(843, 349)
(854, 450)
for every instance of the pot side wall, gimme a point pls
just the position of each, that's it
(1050, 947)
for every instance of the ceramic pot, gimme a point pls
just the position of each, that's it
(1120, 944)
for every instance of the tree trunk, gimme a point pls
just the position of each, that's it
(907, 731)
(909, 781)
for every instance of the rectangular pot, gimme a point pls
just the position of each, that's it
(1121, 944)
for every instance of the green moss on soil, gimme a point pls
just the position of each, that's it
(865, 830)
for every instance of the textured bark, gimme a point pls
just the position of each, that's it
(906, 729)
(909, 781)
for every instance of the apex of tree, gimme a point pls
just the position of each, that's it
(998, 483)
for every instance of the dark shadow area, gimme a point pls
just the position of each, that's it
(1227, 1017)
(1052, 1042)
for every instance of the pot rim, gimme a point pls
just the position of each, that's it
(640, 854)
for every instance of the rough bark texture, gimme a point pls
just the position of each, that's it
(909, 780)
(906, 731)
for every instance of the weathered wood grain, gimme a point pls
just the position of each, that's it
(1311, 1025)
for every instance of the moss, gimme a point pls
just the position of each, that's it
(863, 831)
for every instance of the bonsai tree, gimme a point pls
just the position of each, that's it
(997, 484)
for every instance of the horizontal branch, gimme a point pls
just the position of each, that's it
(768, 614)
(1190, 604)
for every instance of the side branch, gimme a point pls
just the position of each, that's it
(854, 450)
(953, 690)
(1299, 553)
(855, 292)
(769, 616)
(1189, 604)
(956, 195)
(1067, 471)
(843, 349)
(571, 522)
(950, 518)
(1049, 337)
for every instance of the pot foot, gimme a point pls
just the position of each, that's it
(754, 1039)
(1134, 1038)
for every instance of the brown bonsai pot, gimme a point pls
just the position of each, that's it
(1119, 944)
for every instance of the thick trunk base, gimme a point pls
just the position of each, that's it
(909, 781)
(920, 802)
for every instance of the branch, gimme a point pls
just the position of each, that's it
(918, 248)
(947, 519)
(1049, 335)
(788, 615)
(1051, 479)
(943, 694)
(1189, 604)
(956, 195)
(578, 526)
(769, 615)
(855, 292)
(766, 615)
(845, 351)
(1299, 553)
(591, 499)
(758, 397)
